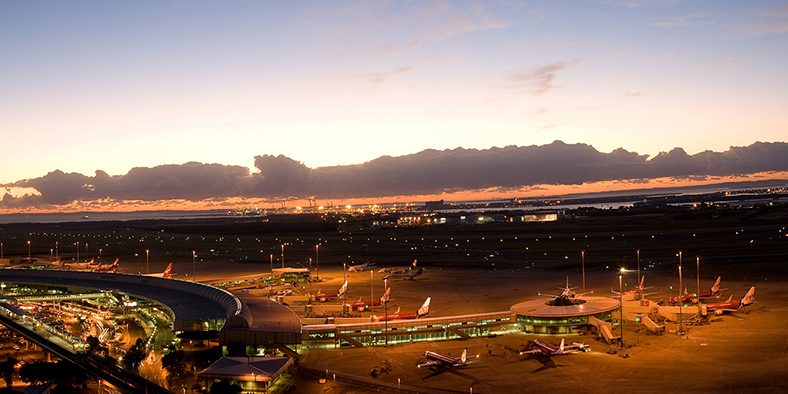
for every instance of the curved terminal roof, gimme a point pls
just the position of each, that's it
(192, 303)
(540, 308)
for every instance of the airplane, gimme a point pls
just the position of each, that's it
(434, 360)
(409, 274)
(544, 349)
(713, 291)
(399, 315)
(166, 274)
(362, 305)
(684, 298)
(323, 297)
(391, 270)
(111, 267)
(361, 267)
(567, 295)
(733, 306)
(77, 265)
(638, 292)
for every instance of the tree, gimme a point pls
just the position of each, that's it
(7, 370)
(134, 356)
(224, 387)
(62, 374)
(175, 364)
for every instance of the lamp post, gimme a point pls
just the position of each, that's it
(77, 251)
(2, 252)
(28, 250)
(283, 255)
(194, 265)
(100, 250)
(697, 277)
(317, 262)
(386, 315)
(638, 282)
(681, 299)
(147, 261)
(371, 290)
(583, 264)
(621, 306)
(271, 257)
(57, 250)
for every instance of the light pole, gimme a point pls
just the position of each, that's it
(638, 282)
(194, 265)
(681, 299)
(28, 251)
(317, 262)
(86, 250)
(271, 256)
(386, 314)
(147, 261)
(1, 251)
(697, 277)
(583, 264)
(621, 306)
(371, 290)
(77, 251)
(283, 255)
(100, 250)
(57, 250)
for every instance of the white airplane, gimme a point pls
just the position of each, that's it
(544, 349)
(361, 267)
(409, 274)
(638, 292)
(111, 267)
(166, 274)
(391, 270)
(436, 360)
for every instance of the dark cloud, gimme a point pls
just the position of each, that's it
(426, 172)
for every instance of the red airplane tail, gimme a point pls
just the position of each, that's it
(167, 272)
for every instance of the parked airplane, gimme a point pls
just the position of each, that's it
(391, 270)
(567, 295)
(544, 349)
(409, 274)
(361, 267)
(733, 306)
(436, 360)
(166, 274)
(362, 305)
(323, 297)
(77, 265)
(111, 267)
(399, 315)
(713, 291)
(638, 292)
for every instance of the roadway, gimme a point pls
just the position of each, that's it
(93, 365)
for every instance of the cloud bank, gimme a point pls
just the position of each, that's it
(426, 172)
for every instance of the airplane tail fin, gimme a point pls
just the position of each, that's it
(415, 262)
(425, 308)
(561, 346)
(167, 271)
(386, 296)
(716, 286)
(464, 355)
(730, 298)
(342, 289)
(398, 310)
(749, 298)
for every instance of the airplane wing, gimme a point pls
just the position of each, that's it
(431, 363)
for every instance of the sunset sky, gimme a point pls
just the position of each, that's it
(87, 85)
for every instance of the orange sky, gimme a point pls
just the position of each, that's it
(481, 194)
